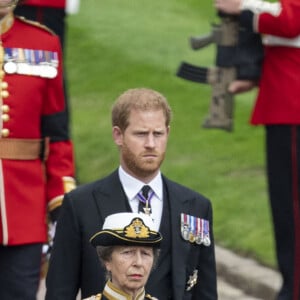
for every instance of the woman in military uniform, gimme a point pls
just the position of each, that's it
(128, 248)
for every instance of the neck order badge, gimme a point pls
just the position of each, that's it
(145, 200)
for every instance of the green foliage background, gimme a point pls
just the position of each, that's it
(114, 45)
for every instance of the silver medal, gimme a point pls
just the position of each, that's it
(10, 67)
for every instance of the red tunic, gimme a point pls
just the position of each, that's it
(27, 187)
(48, 3)
(278, 100)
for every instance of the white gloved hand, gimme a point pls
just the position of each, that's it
(46, 251)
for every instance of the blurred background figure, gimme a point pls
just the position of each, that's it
(277, 107)
(36, 154)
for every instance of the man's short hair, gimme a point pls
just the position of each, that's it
(143, 99)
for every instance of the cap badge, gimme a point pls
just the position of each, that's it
(137, 229)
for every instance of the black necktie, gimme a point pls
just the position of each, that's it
(144, 203)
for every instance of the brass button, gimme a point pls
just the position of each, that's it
(5, 117)
(5, 132)
(1, 74)
(4, 94)
(4, 85)
(5, 108)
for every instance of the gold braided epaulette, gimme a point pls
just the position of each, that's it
(94, 297)
(148, 296)
(35, 23)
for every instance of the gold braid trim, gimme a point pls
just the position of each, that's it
(35, 23)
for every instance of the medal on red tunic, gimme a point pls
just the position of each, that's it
(31, 62)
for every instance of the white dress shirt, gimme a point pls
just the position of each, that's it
(133, 186)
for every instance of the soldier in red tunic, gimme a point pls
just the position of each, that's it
(36, 154)
(278, 109)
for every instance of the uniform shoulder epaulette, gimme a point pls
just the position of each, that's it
(148, 296)
(35, 23)
(94, 297)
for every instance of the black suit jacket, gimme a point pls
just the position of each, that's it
(74, 263)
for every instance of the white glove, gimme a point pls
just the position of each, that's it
(46, 251)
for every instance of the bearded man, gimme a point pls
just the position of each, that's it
(186, 267)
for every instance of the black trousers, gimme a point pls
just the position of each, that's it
(20, 271)
(283, 170)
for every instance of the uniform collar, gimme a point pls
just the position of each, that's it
(6, 23)
(111, 292)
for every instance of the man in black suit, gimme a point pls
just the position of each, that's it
(186, 268)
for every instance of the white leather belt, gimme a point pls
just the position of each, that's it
(261, 6)
(271, 40)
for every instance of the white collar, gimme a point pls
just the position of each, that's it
(132, 185)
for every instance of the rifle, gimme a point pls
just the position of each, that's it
(225, 36)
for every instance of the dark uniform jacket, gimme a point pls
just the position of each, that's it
(74, 263)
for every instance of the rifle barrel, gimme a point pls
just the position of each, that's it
(201, 41)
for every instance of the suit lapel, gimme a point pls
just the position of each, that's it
(110, 197)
